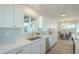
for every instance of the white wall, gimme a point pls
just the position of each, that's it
(49, 22)
(30, 12)
(71, 21)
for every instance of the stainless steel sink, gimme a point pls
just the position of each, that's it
(34, 38)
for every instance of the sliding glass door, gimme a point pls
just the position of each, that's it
(72, 26)
(77, 30)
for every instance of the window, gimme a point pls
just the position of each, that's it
(70, 28)
(33, 24)
(26, 24)
(29, 24)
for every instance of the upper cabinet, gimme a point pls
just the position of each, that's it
(11, 16)
(1, 16)
(8, 16)
(19, 15)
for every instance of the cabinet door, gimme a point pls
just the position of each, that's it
(19, 15)
(8, 15)
(47, 44)
(26, 50)
(43, 46)
(38, 47)
(1, 16)
(21, 50)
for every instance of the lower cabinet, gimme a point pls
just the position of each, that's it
(50, 41)
(21, 50)
(37, 47)
(25, 50)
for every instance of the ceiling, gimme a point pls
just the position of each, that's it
(55, 10)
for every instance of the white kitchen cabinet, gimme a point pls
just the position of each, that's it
(21, 50)
(47, 44)
(1, 17)
(43, 49)
(26, 50)
(50, 41)
(39, 47)
(19, 15)
(11, 16)
(8, 15)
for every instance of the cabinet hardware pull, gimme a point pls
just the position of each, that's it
(19, 51)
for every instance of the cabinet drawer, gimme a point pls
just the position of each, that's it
(21, 50)
(14, 51)
(35, 44)
(27, 50)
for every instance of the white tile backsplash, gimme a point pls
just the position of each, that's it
(27, 35)
(9, 34)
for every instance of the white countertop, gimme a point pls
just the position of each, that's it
(15, 44)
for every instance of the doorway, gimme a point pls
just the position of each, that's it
(72, 26)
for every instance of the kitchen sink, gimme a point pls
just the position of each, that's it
(34, 38)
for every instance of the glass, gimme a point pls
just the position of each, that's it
(70, 28)
(26, 24)
(77, 32)
(29, 24)
(33, 25)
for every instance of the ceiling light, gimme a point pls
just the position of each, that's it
(63, 15)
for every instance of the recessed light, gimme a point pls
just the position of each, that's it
(63, 15)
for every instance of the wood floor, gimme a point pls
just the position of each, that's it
(62, 47)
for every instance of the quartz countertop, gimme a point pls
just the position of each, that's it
(12, 45)
(18, 42)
